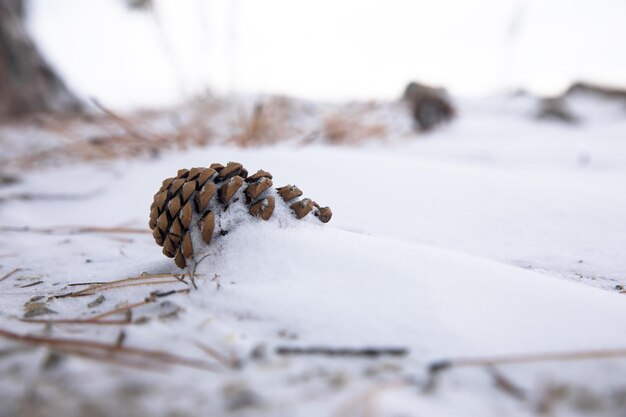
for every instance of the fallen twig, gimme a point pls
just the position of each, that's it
(441, 365)
(76, 321)
(73, 229)
(435, 369)
(231, 362)
(98, 350)
(47, 197)
(7, 275)
(32, 284)
(97, 319)
(129, 127)
(127, 282)
(368, 352)
(78, 284)
(123, 309)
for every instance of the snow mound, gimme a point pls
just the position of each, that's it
(346, 288)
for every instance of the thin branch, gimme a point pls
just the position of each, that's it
(31, 284)
(47, 197)
(98, 318)
(91, 347)
(106, 357)
(128, 126)
(74, 230)
(231, 362)
(126, 282)
(368, 352)
(192, 276)
(526, 358)
(5, 276)
(76, 321)
(123, 309)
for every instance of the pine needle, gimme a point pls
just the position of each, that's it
(7, 275)
(102, 351)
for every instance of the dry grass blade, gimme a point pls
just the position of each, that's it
(31, 284)
(106, 357)
(45, 197)
(7, 275)
(124, 309)
(527, 358)
(101, 288)
(368, 352)
(231, 362)
(74, 230)
(123, 122)
(76, 321)
(129, 282)
(97, 349)
(97, 319)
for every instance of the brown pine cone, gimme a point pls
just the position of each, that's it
(200, 197)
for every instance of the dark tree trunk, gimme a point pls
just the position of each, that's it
(27, 83)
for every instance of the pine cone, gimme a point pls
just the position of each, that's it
(200, 197)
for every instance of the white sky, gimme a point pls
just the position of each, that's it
(328, 49)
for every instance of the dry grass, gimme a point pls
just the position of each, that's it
(140, 280)
(266, 123)
(98, 319)
(112, 136)
(7, 275)
(75, 230)
(115, 353)
(350, 130)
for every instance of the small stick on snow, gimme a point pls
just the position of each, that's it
(5, 276)
(98, 318)
(74, 230)
(231, 363)
(75, 321)
(368, 352)
(98, 349)
(32, 284)
(127, 282)
(527, 358)
(192, 276)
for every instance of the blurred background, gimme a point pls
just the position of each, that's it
(133, 54)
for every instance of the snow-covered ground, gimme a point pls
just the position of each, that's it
(495, 235)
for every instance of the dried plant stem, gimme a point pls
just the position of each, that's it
(97, 349)
(98, 318)
(231, 362)
(124, 123)
(7, 275)
(76, 321)
(92, 291)
(368, 352)
(74, 230)
(527, 358)
(123, 309)
(106, 357)
(129, 282)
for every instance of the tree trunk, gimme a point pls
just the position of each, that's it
(27, 83)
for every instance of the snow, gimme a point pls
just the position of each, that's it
(491, 236)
